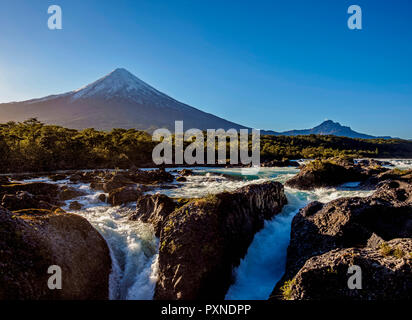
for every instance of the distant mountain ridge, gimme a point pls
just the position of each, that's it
(330, 127)
(121, 100)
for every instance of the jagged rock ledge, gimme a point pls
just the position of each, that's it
(201, 241)
(336, 171)
(326, 238)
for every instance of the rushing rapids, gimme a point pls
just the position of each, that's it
(134, 246)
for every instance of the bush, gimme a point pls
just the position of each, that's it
(286, 289)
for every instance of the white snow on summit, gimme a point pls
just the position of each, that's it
(118, 83)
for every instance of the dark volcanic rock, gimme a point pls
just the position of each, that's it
(154, 209)
(384, 276)
(332, 172)
(123, 195)
(185, 172)
(117, 181)
(39, 195)
(24, 200)
(33, 240)
(181, 179)
(75, 205)
(102, 197)
(35, 188)
(67, 193)
(349, 222)
(280, 163)
(202, 241)
(57, 177)
(394, 174)
(151, 176)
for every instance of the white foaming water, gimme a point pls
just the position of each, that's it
(213, 180)
(134, 247)
(264, 263)
(132, 244)
(400, 163)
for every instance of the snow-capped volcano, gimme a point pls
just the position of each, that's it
(117, 100)
(118, 83)
(121, 100)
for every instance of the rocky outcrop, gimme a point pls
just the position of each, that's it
(24, 200)
(75, 205)
(67, 193)
(57, 177)
(385, 275)
(349, 223)
(118, 179)
(280, 163)
(34, 188)
(394, 174)
(38, 195)
(154, 209)
(333, 172)
(151, 176)
(202, 241)
(185, 172)
(33, 240)
(123, 195)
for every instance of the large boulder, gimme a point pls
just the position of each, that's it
(348, 222)
(153, 209)
(17, 196)
(394, 174)
(123, 195)
(35, 188)
(75, 205)
(280, 163)
(67, 193)
(202, 241)
(185, 172)
(24, 200)
(118, 180)
(107, 181)
(386, 274)
(151, 176)
(57, 177)
(332, 172)
(33, 240)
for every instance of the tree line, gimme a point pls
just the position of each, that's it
(34, 146)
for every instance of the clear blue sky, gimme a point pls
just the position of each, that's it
(268, 64)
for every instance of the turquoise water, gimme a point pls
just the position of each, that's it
(134, 247)
(265, 260)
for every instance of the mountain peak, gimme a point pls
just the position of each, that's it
(121, 73)
(120, 83)
(329, 127)
(329, 123)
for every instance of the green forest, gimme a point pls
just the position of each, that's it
(33, 146)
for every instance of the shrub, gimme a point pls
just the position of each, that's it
(286, 289)
(385, 249)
